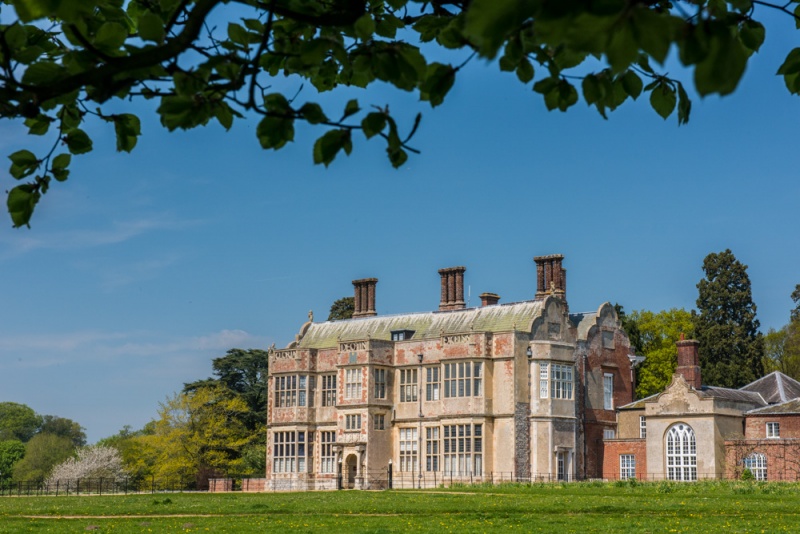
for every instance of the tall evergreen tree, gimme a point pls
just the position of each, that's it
(731, 347)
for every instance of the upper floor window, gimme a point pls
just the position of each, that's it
(463, 379)
(408, 385)
(352, 384)
(401, 335)
(544, 381)
(560, 381)
(380, 383)
(329, 390)
(608, 391)
(773, 430)
(642, 426)
(292, 390)
(379, 421)
(609, 433)
(432, 383)
(352, 422)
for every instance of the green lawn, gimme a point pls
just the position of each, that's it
(552, 508)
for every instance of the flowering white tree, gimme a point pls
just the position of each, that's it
(96, 461)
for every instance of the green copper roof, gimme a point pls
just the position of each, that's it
(430, 325)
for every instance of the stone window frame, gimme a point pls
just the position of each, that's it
(408, 445)
(462, 379)
(562, 378)
(327, 456)
(329, 389)
(290, 451)
(544, 380)
(609, 433)
(433, 448)
(756, 462)
(409, 380)
(379, 375)
(352, 422)
(773, 429)
(292, 391)
(627, 466)
(352, 383)
(379, 421)
(462, 449)
(642, 426)
(433, 383)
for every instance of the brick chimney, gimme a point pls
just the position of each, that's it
(489, 299)
(364, 297)
(689, 362)
(550, 276)
(452, 288)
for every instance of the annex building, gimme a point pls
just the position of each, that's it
(509, 391)
(691, 431)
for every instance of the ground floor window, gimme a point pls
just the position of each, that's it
(408, 449)
(561, 465)
(757, 464)
(326, 454)
(627, 466)
(681, 453)
(432, 448)
(289, 452)
(463, 449)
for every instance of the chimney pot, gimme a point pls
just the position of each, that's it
(364, 298)
(489, 299)
(452, 289)
(551, 277)
(689, 362)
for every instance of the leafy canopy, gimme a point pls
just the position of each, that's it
(67, 63)
(342, 308)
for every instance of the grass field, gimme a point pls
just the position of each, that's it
(708, 507)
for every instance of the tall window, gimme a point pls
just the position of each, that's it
(544, 382)
(380, 383)
(773, 430)
(352, 422)
(681, 453)
(408, 449)
(432, 448)
(289, 452)
(642, 426)
(627, 466)
(463, 379)
(291, 390)
(561, 465)
(352, 384)
(432, 383)
(757, 464)
(560, 381)
(463, 449)
(608, 391)
(408, 385)
(326, 454)
(379, 421)
(329, 390)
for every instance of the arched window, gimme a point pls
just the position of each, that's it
(681, 453)
(757, 464)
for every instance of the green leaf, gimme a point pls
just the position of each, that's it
(752, 34)
(364, 27)
(632, 84)
(397, 156)
(373, 123)
(722, 69)
(438, 81)
(622, 48)
(327, 146)
(663, 100)
(110, 36)
(277, 103)
(238, 34)
(224, 114)
(684, 105)
(654, 31)
(16, 36)
(62, 161)
(593, 90)
(525, 71)
(313, 113)
(275, 132)
(42, 73)
(351, 108)
(791, 64)
(78, 142)
(23, 163)
(151, 27)
(128, 129)
(29, 10)
(38, 125)
(21, 202)
(488, 22)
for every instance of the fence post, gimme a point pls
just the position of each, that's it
(78, 487)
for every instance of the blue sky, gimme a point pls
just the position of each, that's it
(142, 268)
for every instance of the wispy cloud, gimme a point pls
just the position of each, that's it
(18, 243)
(131, 273)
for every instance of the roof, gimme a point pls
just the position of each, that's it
(775, 387)
(788, 407)
(638, 404)
(736, 395)
(427, 325)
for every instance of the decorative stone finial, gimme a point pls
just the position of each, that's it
(310, 316)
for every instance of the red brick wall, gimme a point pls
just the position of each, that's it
(614, 448)
(783, 457)
(756, 425)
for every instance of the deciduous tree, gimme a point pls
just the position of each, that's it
(61, 426)
(731, 347)
(42, 453)
(96, 461)
(342, 308)
(658, 334)
(18, 421)
(11, 452)
(64, 63)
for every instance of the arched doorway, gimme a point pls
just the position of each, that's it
(351, 469)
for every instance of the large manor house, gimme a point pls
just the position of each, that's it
(506, 391)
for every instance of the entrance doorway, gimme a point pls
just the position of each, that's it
(351, 469)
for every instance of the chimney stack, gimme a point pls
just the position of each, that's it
(489, 299)
(689, 362)
(550, 276)
(364, 301)
(452, 289)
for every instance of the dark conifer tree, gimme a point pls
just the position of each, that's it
(731, 347)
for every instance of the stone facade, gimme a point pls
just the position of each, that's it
(511, 391)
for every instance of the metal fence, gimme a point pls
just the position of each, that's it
(97, 486)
